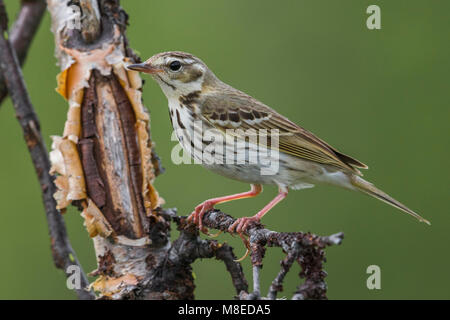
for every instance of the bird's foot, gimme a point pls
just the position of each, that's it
(196, 217)
(241, 224)
(239, 227)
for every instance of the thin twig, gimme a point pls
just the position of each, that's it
(63, 254)
(219, 220)
(277, 283)
(225, 254)
(23, 32)
(256, 284)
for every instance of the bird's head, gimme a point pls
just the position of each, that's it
(178, 73)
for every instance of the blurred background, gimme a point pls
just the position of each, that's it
(381, 96)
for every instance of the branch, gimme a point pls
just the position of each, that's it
(63, 254)
(277, 283)
(305, 248)
(189, 247)
(22, 33)
(105, 159)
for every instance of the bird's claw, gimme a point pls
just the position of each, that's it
(215, 235)
(247, 246)
(239, 227)
(244, 256)
(196, 217)
(241, 224)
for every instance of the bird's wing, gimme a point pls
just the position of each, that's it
(232, 109)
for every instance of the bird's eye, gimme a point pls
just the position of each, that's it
(175, 65)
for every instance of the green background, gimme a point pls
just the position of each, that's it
(379, 95)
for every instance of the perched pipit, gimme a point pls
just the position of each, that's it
(199, 102)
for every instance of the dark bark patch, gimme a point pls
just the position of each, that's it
(106, 264)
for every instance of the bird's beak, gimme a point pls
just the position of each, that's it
(144, 67)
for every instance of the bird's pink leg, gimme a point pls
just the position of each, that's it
(241, 224)
(201, 209)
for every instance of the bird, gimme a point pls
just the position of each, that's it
(235, 135)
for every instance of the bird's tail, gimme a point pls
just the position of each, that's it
(370, 189)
